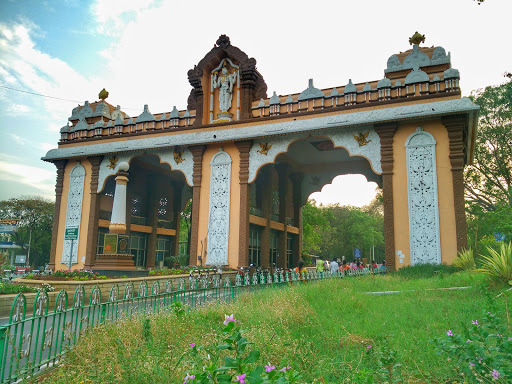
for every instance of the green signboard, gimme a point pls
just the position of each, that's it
(71, 233)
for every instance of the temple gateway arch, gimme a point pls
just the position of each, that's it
(248, 163)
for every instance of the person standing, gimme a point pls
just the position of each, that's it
(320, 267)
(334, 266)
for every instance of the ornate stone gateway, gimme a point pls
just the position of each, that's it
(249, 163)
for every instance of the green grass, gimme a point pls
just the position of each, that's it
(320, 329)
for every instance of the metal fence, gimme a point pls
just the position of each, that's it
(30, 344)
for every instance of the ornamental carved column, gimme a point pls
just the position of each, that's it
(455, 126)
(118, 218)
(248, 78)
(94, 213)
(197, 153)
(386, 133)
(243, 241)
(196, 97)
(61, 165)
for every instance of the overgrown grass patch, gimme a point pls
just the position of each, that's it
(331, 331)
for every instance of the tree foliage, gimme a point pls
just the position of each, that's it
(488, 181)
(334, 231)
(36, 215)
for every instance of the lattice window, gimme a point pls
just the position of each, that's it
(74, 211)
(423, 199)
(218, 222)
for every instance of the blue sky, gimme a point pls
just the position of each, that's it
(140, 51)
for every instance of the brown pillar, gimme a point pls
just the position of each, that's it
(176, 209)
(60, 164)
(197, 153)
(265, 190)
(94, 213)
(243, 240)
(386, 133)
(282, 170)
(297, 210)
(248, 78)
(455, 127)
(153, 203)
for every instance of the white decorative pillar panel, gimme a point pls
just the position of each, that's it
(218, 221)
(423, 200)
(74, 211)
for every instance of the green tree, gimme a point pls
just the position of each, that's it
(35, 226)
(186, 224)
(488, 180)
(315, 227)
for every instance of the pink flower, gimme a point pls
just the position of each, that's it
(269, 368)
(468, 341)
(449, 333)
(284, 369)
(188, 377)
(474, 322)
(192, 345)
(229, 318)
(240, 378)
(368, 348)
(471, 364)
(495, 374)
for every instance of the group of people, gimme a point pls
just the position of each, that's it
(333, 266)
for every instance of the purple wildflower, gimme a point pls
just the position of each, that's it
(468, 341)
(192, 345)
(368, 348)
(229, 318)
(269, 368)
(284, 369)
(188, 377)
(495, 374)
(241, 378)
(449, 333)
(471, 364)
(474, 322)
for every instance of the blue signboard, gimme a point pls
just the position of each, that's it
(7, 228)
(357, 252)
(499, 236)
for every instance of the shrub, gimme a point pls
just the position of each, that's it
(7, 288)
(498, 264)
(425, 271)
(481, 353)
(232, 361)
(466, 260)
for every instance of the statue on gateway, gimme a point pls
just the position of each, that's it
(225, 84)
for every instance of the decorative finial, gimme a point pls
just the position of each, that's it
(103, 94)
(223, 41)
(417, 38)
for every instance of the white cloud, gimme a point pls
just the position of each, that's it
(113, 15)
(352, 190)
(18, 139)
(47, 146)
(38, 72)
(12, 169)
(16, 109)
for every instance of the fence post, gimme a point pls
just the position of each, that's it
(3, 360)
(102, 315)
